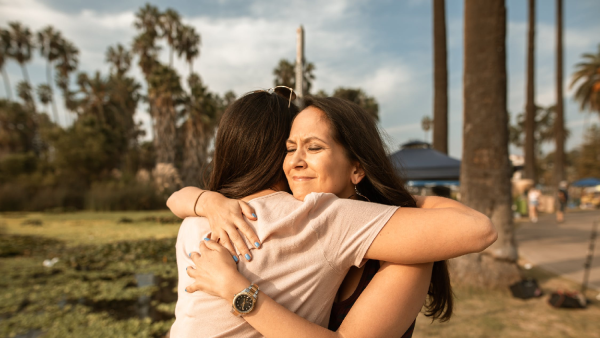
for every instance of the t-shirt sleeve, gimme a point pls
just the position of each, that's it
(346, 228)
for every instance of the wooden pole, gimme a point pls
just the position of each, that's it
(300, 67)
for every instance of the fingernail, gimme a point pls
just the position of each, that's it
(190, 255)
(186, 290)
(186, 268)
(247, 256)
(206, 239)
(254, 215)
(235, 259)
(256, 244)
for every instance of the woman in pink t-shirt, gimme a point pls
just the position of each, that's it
(335, 147)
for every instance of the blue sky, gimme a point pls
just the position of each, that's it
(384, 47)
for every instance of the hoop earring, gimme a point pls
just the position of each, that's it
(361, 195)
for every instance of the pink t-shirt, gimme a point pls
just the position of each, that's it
(307, 249)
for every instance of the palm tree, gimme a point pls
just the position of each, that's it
(359, 97)
(440, 78)
(119, 58)
(44, 93)
(164, 91)
(188, 45)
(559, 127)
(530, 108)
(485, 169)
(587, 76)
(21, 45)
(49, 40)
(95, 95)
(4, 50)
(24, 92)
(202, 111)
(170, 24)
(67, 62)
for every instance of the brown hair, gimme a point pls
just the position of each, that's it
(357, 132)
(250, 145)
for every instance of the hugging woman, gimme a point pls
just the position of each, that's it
(318, 247)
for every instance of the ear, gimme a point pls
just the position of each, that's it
(358, 173)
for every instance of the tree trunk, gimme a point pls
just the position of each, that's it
(530, 109)
(559, 122)
(49, 80)
(485, 169)
(440, 78)
(165, 138)
(7, 84)
(194, 154)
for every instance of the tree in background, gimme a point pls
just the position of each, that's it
(66, 64)
(49, 40)
(285, 75)
(440, 78)
(559, 126)
(530, 108)
(170, 25)
(188, 45)
(21, 44)
(25, 93)
(485, 169)
(587, 80)
(358, 96)
(4, 50)
(202, 111)
(44, 93)
(119, 59)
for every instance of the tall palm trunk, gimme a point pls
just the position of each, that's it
(559, 122)
(165, 139)
(485, 169)
(25, 74)
(440, 78)
(7, 84)
(530, 110)
(194, 153)
(49, 80)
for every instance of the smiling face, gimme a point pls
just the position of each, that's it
(315, 162)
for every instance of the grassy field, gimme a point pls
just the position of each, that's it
(94, 289)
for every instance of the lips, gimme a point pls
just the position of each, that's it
(302, 178)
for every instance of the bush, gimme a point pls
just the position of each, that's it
(111, 196)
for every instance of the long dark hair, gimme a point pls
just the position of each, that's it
(357, 132)
(250, 145)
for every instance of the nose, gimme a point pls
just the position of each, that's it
(296, 161)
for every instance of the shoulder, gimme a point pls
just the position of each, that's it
(193, 225)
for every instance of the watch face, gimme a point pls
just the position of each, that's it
(243, 303)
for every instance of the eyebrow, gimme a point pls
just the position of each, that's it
(306, 140)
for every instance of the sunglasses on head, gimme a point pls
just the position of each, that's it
(283, 91)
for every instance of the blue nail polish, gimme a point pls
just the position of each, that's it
(235, 259)
(186, 268)
(190, 255)
(254, 215)
(256, 244)
(207, 239)
(186, 290)
(247, 256)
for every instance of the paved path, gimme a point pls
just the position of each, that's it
(561, 248)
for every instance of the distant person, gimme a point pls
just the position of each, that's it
(533, 198)
(563, 198)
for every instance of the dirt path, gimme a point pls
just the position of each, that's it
(561, 248)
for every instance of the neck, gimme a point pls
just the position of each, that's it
(279, 186)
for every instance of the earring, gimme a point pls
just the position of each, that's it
(361, 195)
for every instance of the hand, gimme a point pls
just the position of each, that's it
(215, 272)
(226, 220)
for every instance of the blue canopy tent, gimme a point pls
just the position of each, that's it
(423, 166)
(586, 182)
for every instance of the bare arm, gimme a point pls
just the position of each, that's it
(225, 216)
(386, 308)
(439, 229)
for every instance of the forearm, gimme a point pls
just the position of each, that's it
(272, 319)
(181, 202)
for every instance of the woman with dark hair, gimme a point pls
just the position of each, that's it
(333, 147)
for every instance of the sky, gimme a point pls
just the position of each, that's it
(382, 46)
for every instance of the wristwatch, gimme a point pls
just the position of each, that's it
(243, 302)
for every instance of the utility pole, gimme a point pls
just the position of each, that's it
(300, 67)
